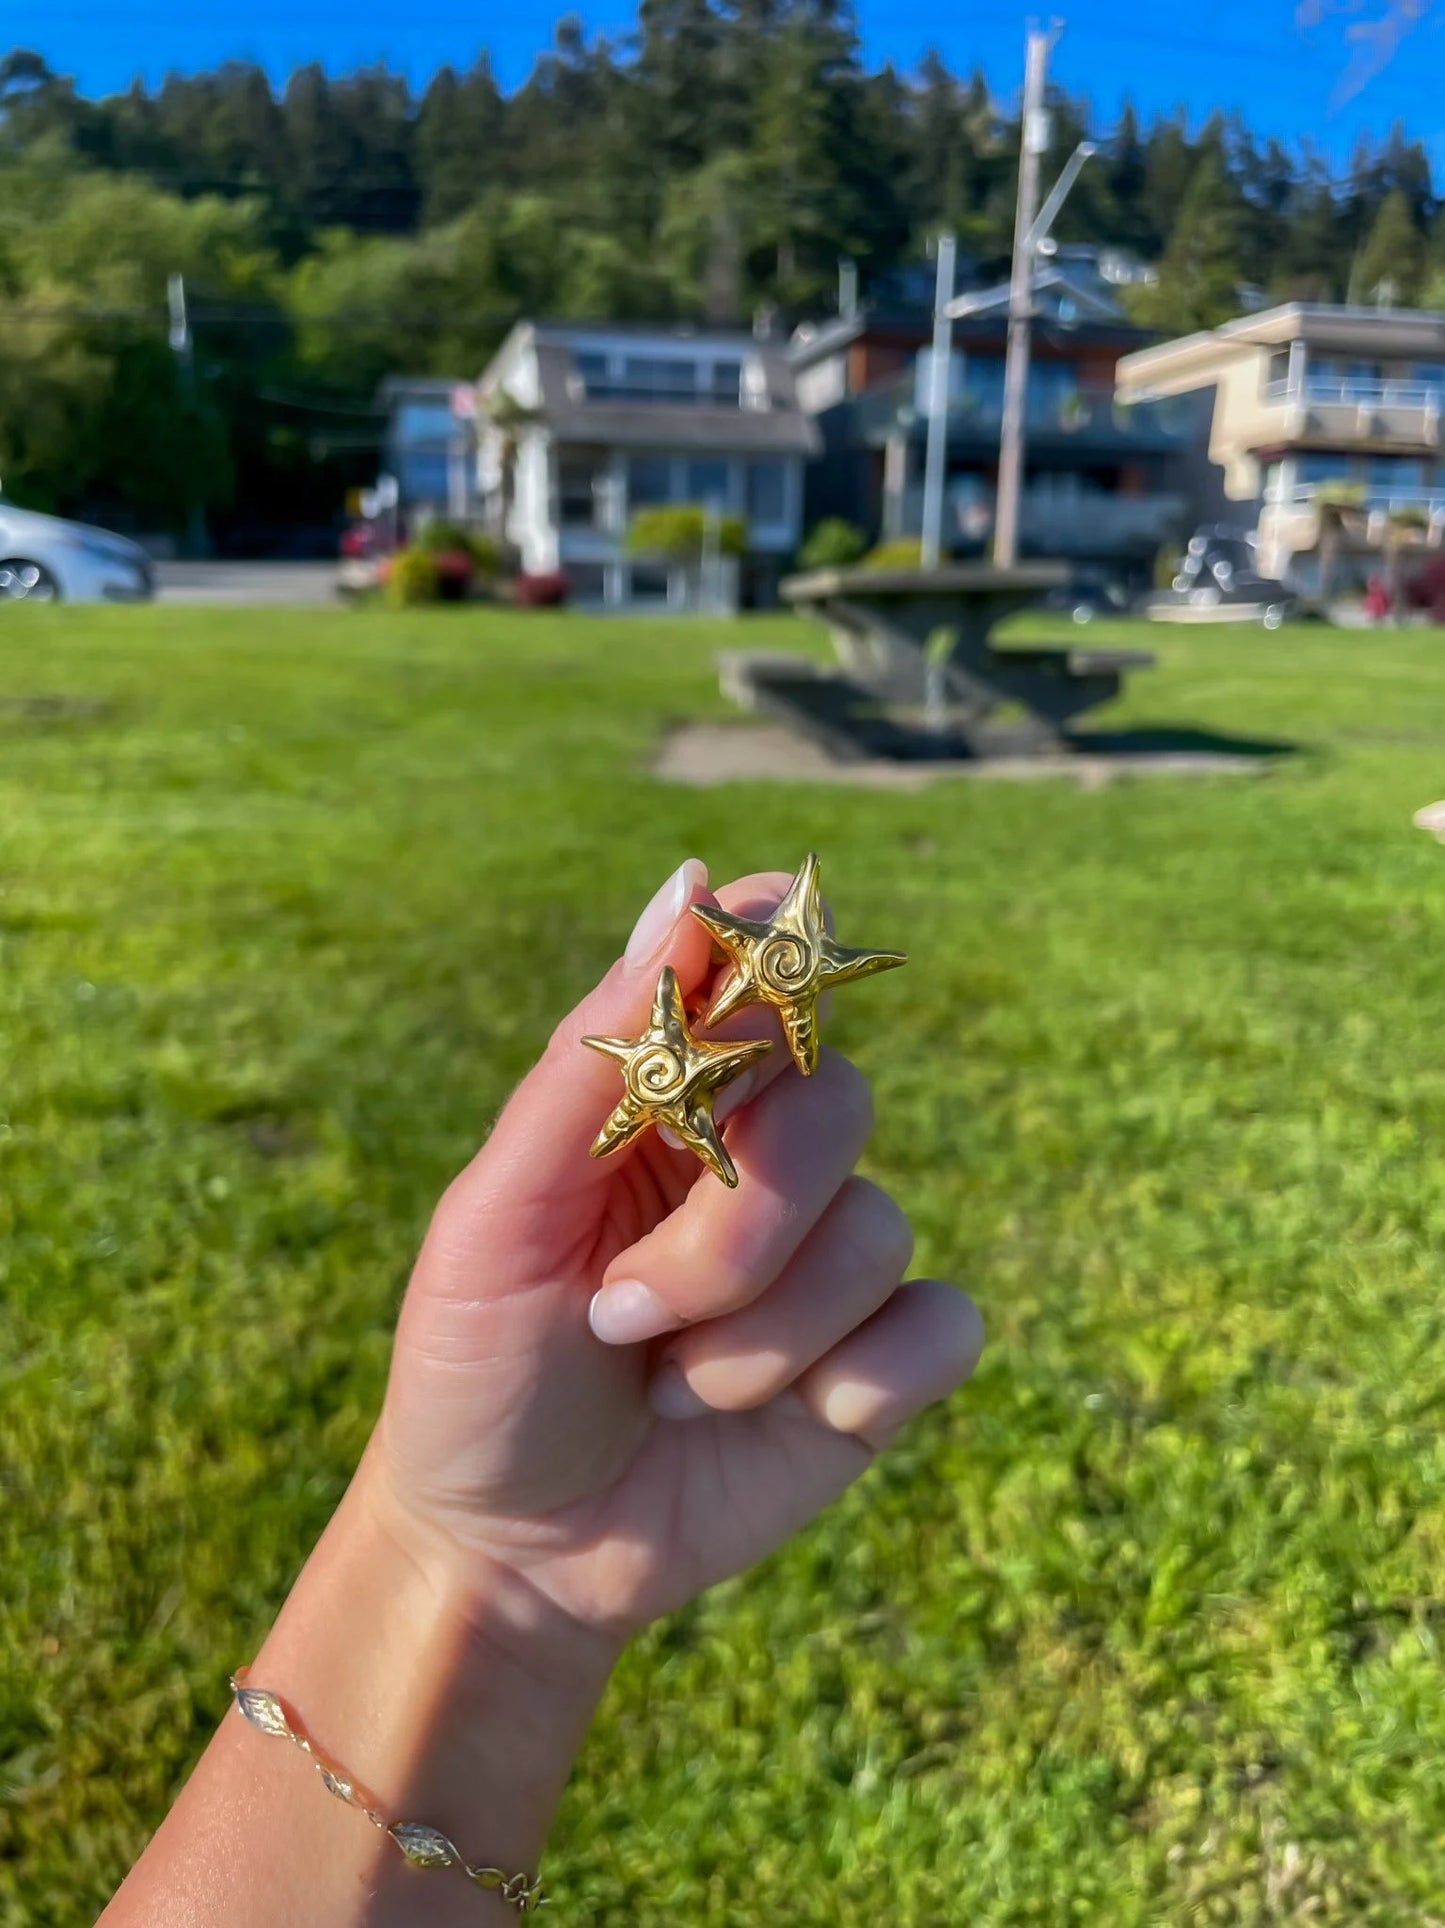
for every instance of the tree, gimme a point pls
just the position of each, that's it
(1199, 273)
(1389, 266)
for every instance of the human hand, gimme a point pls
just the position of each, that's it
(748, 1351)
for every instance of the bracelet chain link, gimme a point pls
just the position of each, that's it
(423, 1846)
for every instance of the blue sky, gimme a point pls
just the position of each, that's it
(1287, 64)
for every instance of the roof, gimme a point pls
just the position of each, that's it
(1194, 361)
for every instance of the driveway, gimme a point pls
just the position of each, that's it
(247, 584)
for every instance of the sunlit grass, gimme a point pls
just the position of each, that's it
(1142, 1630)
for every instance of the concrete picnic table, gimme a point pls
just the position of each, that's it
(880, 702)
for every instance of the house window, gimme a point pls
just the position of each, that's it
(649, 480)
(707, 480)
(767, 491)
(653, 377)
(727, 382)
(649, 582)
(1318, 466)
(1431, 373)
(426, 422)
(577, 491)
(592, 367)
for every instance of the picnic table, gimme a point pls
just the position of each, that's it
(919, 674)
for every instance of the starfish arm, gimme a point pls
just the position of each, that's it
(735, 935)
(697, 1128)
(619, 1048)
(739, 988)
(669, 1014)
(800, 1028)
(840, 965)
(621, 1128)
(724, 1062)
(801, 911)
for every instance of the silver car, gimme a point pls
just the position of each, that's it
(46, 559)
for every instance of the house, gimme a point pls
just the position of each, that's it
(1326, 428)
(581, 425)
(426, 447)
(1103, 484)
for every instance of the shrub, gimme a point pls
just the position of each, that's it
(903, 552)
(412, 578)
(680, 529)
(440, 537)
(832, 544)
(544, 590)
(486, 553)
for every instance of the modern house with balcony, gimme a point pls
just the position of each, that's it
(1326, 427)
(582, 425)
(1104, 484)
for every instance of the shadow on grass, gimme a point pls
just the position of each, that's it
(1179, 739)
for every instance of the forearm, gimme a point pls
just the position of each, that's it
(459, 1708)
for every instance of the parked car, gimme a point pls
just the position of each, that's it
(46, 559)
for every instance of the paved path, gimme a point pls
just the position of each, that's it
(247, 584)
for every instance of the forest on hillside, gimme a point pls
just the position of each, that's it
(722, 156)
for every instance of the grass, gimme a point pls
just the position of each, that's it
(1144, 1629)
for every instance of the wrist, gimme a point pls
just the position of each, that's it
(453, 1691)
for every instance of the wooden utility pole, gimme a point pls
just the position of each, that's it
(1020, 300)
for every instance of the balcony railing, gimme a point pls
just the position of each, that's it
(1358, 393)
(1066, 524)
(1383, 500)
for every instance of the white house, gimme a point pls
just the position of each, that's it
(582, 424)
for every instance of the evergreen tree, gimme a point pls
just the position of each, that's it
(1199, 273)
(1389, 266)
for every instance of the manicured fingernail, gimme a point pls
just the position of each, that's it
(673, 1398)
(627, 1312)
(654, 927)
(732, 1096)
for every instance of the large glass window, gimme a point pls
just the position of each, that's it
(660, 377)
(1319, 465)
(767, 491)
(578, 493)
(649, 480)
(707, 480)
(592, 367)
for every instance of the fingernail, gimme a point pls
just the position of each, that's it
(627, 1312)
(670, 1137)
(732, 1096)
(673, 1398)
(654, 927)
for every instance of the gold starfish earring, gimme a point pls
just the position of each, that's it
(788, 961)
(672, 1079)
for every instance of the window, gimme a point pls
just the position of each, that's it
(1432, 373)
(727, 382)
(649, 480)
(577, 491)
(707, 480)
(767, 491)
(1319, 466)
(649, 582)
(657, 378)
(592, 367)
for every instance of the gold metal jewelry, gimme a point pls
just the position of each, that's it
(788, 960)
(423, 1847)
(672, 1079)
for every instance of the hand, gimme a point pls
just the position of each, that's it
(748, 1351)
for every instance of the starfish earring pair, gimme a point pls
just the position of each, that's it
(787, 961)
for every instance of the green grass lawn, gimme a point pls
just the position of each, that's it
(1143, 1629)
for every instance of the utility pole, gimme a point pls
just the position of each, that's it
(183, 348)
(1020, 299)
(938, 375)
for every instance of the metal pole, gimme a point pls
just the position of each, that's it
(184, 350)
(936, 451)
(1020, 302)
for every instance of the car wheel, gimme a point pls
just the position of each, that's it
(22, 581)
